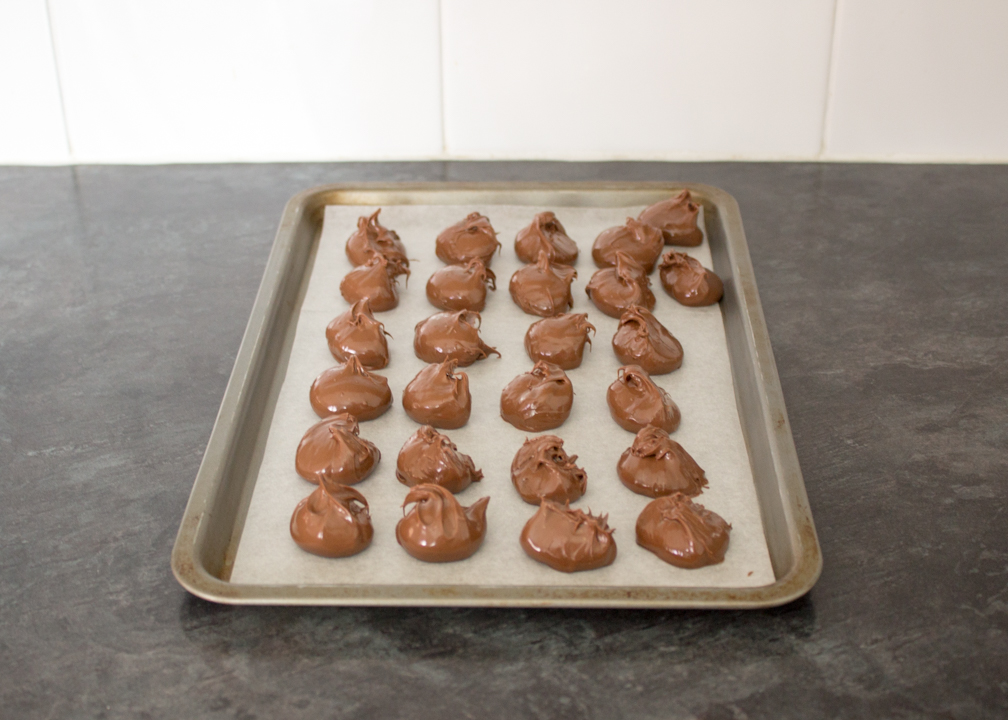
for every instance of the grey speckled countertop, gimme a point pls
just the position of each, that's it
(124, 292)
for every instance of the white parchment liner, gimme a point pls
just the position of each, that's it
(702, 388)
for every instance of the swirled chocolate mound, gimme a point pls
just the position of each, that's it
(543, 288)
(349, 388)
(568, 540)
(376, 281)
(683, 533)
(540, 399)
(437, 528)
(614, 289)
(461, 287)
(356, 332)
(676, 218)
(471, 238)
(430, 458)
(332, 522)
(689, 282)
(560, 339)
(439, 396)
(373, 238)
(542, 470)
(451, 336)
(332, 448)
(635, 402)
(640, 241)
(657, 465)
(545, 233)
(642, 340)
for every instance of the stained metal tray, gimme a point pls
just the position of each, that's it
(212, 523)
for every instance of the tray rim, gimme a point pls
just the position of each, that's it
(307, 206)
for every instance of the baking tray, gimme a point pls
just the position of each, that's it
(211, 526)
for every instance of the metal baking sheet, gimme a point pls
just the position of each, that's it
(262, 576)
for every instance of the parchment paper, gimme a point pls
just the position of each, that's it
(702, 388)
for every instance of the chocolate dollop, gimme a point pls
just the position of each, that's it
(568, 540)
(640, 241)
(642, 340)
(689, 282)
(356, 332)
(451, 335)
(542, 470)
(543, 288)
(656, 465)
(332, 449)
(373, 238)
(349, 388)
(540, 399)
(635, 402)
(614, 289)
(682, 532)
(376, 281)
(559, 339)
(461, 287)
(545, 233)
(676, 218)
(430, 458)
(471, 238)
(332, 522)
(439, 396)
(437, 528)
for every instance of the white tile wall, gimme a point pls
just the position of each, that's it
(255, 80)
(31, 119)
(637, 78)
(919, 80)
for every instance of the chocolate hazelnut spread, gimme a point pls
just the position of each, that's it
(682, 532)
(614, 289)
(461, 287)
(430, 458)
(559, 339)
(373, 238)
(437, 528)
(376, 281)
(332, 448)
(471, 238)
(332, 522)
(635, 402)
(568, 540)
(656, 465)
(538, 400)
(542, 470)
(545, 233)
(543, 288)
(439, 396)
(640, 241)
(451, 335)
(356, 332)
(676, 218)
(689, 282)
(642, 340)
(349, 388)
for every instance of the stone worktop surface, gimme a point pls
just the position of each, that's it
(124, 292)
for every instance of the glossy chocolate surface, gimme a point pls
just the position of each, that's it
(356, 332)
(439, 396)
(543, 288)
(656, 465)
(373, 238)
(682, 532)
(614, 289)
(437, 528)
(461, 287)
(376, 281)
(641, 340)
(676, 218)
(471, 238)
(349, 388)
(545, 233)
(560, 339)
(451, 335)
(430, 458)
(333, 449)
(542, 470)
(332, 522)
(640, 241)
(635, 402)
(538, 400)
(568, 540)
(689, 282)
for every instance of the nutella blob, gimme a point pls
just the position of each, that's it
(332, 522)
(635, 402)
(545, 233)
(439, 396)
(683, 533)
(656, 465)
(461, 287)
(349, 388)
(543, 288)
(642, 340)
(471, 238)
(542, 470)
(676, 218)
(689, 282)
(451, 336)
(356, 332)
(430, 458)
(538, 400)
(568, 540)
(437, 528)
(640, 241)
(614, 289)
(331, 449)
(560, 339)
(376, 281)
(373, 238)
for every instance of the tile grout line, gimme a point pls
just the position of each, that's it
(59, 83)
(828, 101)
